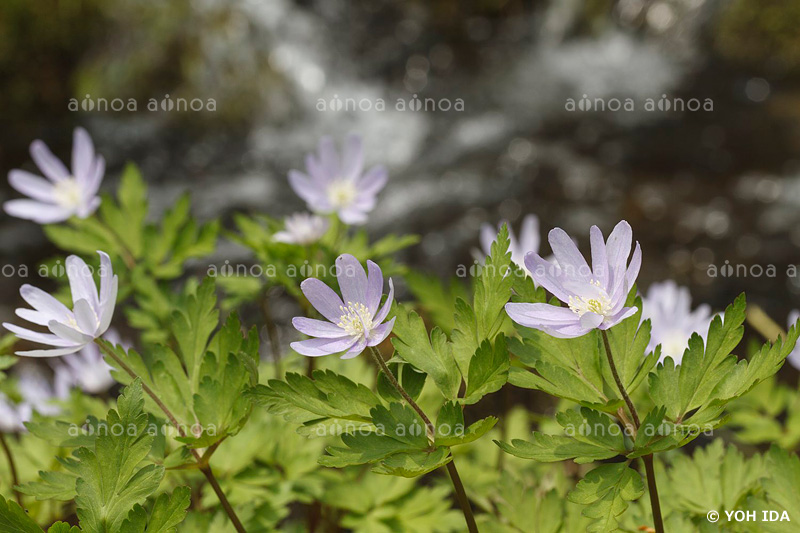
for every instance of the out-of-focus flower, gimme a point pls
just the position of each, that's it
(69, 330)
(87, 369)
(669, 308)
(595, 296)
(302, 228)
(37, 394)
(331, 185)
(63, 194)
(528, 239)
(794, 357)
(353, 321)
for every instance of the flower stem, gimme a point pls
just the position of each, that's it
(461, 494)
(205, 468)
(646, 459)
(12, 466)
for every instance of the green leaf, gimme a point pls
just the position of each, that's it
(193, 325)
(52, 486)
(433, 356)
(111, 481)
(606, 491)
(63, 527)
(13, 519)
(167, 513)
(484, 320)
(451, 429)
(436, 298)
(783, 483)
(413, 464)
(488, 370)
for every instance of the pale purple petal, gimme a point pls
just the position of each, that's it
(328, 158)
(591, 320)
(31, 185)
(109, 285)
(373, 180)
(353, 160)
(305, 188)
(85, 317)
(374, 287)
(613, 320)
(323, 298)
(387, 306)
(34, 317)
(487, 238)
(379, 334)
(352, 279)
(37, 211)
(633, 267)
(352, 216)
(356, 349)
(568, 255)
(320, 347)
(95, 177)
(50, 165)
(618, 248)
(317, 328)
(538, 315)
(599, 257)
(546, 275)
(529, 235)
(82, 155)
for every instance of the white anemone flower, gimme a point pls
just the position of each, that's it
(70, 331)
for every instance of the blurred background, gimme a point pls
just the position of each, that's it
(680, 116)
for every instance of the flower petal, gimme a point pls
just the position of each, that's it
(387, 305)
(591, 320)
(35, 336)
(539, 315)
(317, 328)
(50, 165)
(82, 155)
(547, 275)
(109, 285)
(353, 160)
(373, 180)
(356, 350)
(567, 254)
(31, 185)
(303, 187)
(38, 212)
(95, 177)
(69, 333)
(85, 317)
(323, 298)
(599, 257)
(352, 216)
(45, 303)
(320, 347)
(374, 288)
(352, 279)
(50, 353)
(81, 282)
(379, 334)
(328, 158)
(612, 321)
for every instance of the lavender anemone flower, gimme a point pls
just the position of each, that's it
(669, 308)
(63, 194)
(794, 357)
(355, 320)
(37, 394)
(70, 331)
(302, 228)
(595, 296)
(528, 240)
(331, 185)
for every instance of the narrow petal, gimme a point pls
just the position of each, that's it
(591, 320)
(82, 155)
(547, 275)
(487, 237)
(50, 165)
(45, 303)
(379, 334)
(317, 328)
(69, 333)
(353, 160)
(352, 216)
(599, 257)
(34, 317)
(50, 353)
(95, 176)
(328, 158)
(373, 180)
(305, 188)
(374, 287)
(618, 249)
(320, 347)
(81, 282)
(634, 266)
(323, 298)
(529, 239)
(541, 314)
(38, 212)
(107, 305)
(35, 336)
(356, 349)
(612, 321)
(352, 279)
(31, 185)
(387, 306)
(568, 255)
(85, 317)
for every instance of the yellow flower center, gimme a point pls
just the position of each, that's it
(598, 303)
(67, 193)
(356, 319)
(341, 193)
